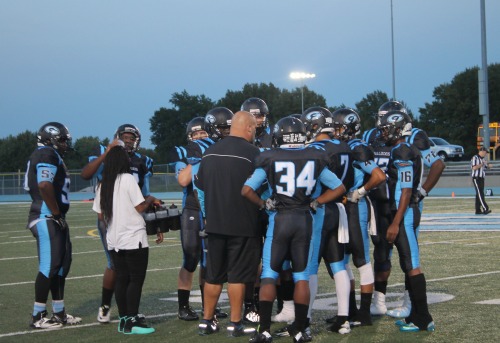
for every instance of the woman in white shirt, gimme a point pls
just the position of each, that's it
(119, 203)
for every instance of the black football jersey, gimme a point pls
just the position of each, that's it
(292, 174)
(407, 157)
(45, 164)
(340, 159)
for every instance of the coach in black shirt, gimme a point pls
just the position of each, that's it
(233, 240)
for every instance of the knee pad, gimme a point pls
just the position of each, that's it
(366, 274)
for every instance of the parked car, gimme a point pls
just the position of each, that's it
(446, 150)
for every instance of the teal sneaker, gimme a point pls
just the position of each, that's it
(121, 324)
(413, 328)
(137, 326)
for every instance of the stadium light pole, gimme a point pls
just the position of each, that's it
(484, 109)
(298, 75)
(393, 67)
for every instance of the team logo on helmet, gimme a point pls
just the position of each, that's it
(254, 111)
(313, 115)
(351, 118)
(394, 118)
(52, 130)
(210, 118)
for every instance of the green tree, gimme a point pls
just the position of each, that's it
(168, 125)
(15, 151)
(453, 114)
(281, 102)
(368, 107)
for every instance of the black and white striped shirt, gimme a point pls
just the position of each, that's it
(479, 172)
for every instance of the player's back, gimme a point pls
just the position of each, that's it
(292, 174)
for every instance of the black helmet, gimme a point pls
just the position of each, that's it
(393, 125)
(289, 130)
(218, 122)
(391, 106)
(257, 107)
(317, 119)
(296, 116)
(346, 123)
(129, 128)
(195, 124)
(56, 135)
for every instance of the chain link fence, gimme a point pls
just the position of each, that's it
(162, 181)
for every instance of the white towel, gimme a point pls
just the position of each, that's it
(343, 225)
(372, 224)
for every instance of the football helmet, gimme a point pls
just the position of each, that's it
(296, 116)
(391, 106)
(218, 122)
(55, 135)
(196, 124)
(314, 121)
(394, 125)
(129, 128)
(346, 123)
(258, 108)
(289, 131)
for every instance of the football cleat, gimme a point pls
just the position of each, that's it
(104, 314)
(341, 328)
(239, 330)
(264, 337)
(251, 316)
(40, 321)
(404, 310)
(207, 327)
(187, 313)
(65, 319)
(378, 307)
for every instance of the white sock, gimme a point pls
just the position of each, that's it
(343, 288)
(313, 290)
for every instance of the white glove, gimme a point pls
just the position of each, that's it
(357, 194)
(422, 193)
(314, 205)
(270, 204)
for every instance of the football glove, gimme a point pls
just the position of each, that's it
(60, 221)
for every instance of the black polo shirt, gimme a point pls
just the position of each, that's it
(224, 168)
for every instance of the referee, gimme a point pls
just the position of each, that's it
(478, 165)
(233, 240)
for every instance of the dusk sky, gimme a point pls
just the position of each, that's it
(93, 65)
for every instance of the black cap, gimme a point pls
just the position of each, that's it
(483, 149)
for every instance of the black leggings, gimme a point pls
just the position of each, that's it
(130, 268)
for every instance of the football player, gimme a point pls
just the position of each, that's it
(404, 172)
(129, 137)
(191, 222)
(382, 249)
(367, 175)
(47, 181)
(259, 109)
(292, 173)
(326, 245)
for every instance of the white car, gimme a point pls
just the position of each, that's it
(446, 150)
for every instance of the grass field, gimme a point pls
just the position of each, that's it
(462, 269)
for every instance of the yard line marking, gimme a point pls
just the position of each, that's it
(489, 302)
(85, 252)
(83, 277)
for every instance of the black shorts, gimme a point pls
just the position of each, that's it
(232, 259)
